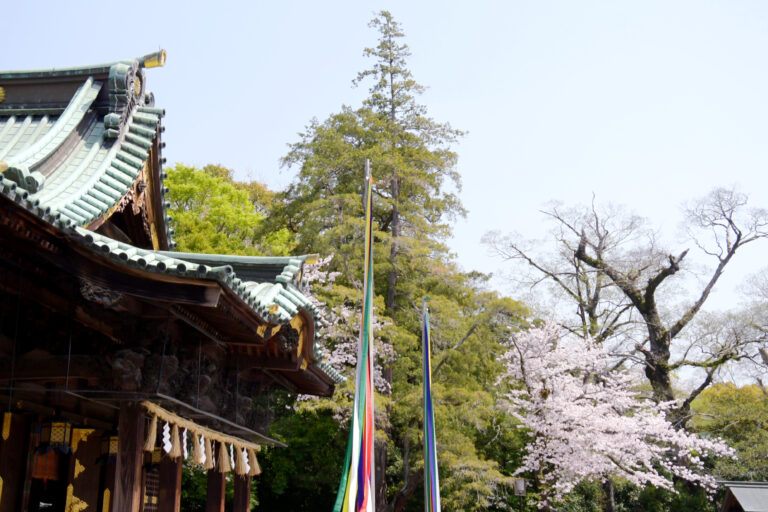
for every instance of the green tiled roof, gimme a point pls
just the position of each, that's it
(274, 302)
(82, 161)
(252, 268)
(35, 151)
(101, 172)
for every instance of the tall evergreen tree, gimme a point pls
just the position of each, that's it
(411, 158)
(415, 173)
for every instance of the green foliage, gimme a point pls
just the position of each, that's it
(194, 482)
(739, 415)
(479, 445)
(304, 476)
(411, 164)
(590, 496)
(630, 498)
(213, 214)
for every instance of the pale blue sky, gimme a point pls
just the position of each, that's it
(643, 103)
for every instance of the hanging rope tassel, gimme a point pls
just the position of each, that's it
(198, 454)
(240, 465)
(175, 452)
(209, 462)
(255, 469)
(224, 466)
(149, 444)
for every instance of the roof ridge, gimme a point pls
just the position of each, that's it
(154, 59)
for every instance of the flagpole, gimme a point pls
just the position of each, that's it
(357, 486)
(365, 185)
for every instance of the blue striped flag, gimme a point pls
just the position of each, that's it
(431, 479)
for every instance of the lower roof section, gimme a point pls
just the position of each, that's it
(212, 298)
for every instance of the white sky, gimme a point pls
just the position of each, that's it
(645, 103)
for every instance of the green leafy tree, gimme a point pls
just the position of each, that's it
(739, 415)
(214, 214)
(304, 475)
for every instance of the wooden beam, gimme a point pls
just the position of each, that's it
(14, 441)
(127, 496)
(170, 485)
(33, 401)
(242, 501)
(54, 367)
(84, 470)
(246, 362)
(215, 491)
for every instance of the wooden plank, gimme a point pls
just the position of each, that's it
(170, 485)
(242, 501)
(13, 458)
(215, 491)
(130, 456)
(84, 470)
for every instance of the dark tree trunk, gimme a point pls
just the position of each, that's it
(381, 449)
(610, 499)
(405, 492)
(395, 225)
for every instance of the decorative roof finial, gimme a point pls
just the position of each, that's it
(153, 60)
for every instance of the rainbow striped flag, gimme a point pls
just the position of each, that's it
(431, 479)
(357, 486)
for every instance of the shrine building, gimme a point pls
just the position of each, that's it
(120, 358)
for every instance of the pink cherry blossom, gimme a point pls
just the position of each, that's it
(586, 420)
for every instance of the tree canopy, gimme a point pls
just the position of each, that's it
(212, 213)
(740, 416)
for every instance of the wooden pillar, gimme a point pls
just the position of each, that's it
(216, 491)
(242, 501)
(84, 471)
(170, 485)
(13, 459)
(130, 457)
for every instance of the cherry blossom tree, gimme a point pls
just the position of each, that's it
(341, 325)
(587, 422)
(629, 291)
